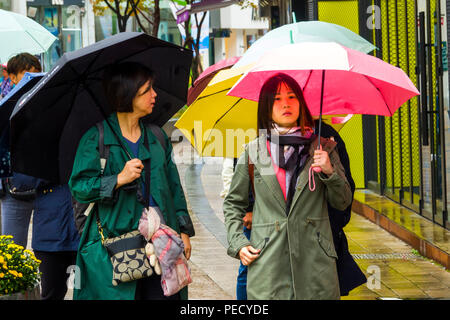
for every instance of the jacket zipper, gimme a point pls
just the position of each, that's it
(290, 260)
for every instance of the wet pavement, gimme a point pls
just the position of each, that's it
(430, 239)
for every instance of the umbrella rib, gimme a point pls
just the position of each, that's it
(384, 100)
(211, 94)
(307, 80)
(217, 121)
(37, 41)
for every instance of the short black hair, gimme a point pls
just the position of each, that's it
(23, 62)
(267, 98)
(122, 82)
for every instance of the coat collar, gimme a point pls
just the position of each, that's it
(111, 139)
(260, 157)
(303, 180)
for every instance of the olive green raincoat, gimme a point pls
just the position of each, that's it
(298, 259)
(119, 211)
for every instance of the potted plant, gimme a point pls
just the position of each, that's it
(19, 271)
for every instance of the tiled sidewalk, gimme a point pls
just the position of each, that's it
(402, 273)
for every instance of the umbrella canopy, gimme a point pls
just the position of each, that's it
(7, 105)
(211, 110)
(205, 77)
(19, 33)
(356, 83)
(229, 122)
(49, 121)
(305, 31)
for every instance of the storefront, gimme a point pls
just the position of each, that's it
(63, 18)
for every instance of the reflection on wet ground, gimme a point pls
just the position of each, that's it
(392, 267)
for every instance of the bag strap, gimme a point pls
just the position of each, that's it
(104, 154)
(147, 168)
(159, 135)
(102, 148)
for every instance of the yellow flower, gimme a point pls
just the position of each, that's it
(13, 272)
(2, 260)
(2, 275)
(8, 256)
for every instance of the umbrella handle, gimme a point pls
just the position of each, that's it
(311, 179)
(318, 169)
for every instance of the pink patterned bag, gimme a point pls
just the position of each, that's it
(169, 249)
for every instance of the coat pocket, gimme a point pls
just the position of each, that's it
(263, 233)
(326, 245)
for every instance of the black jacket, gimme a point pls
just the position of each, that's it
(349, 273)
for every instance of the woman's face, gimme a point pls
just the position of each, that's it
(286, 106)
(144, 102)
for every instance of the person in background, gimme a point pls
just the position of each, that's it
(55, 238)
(5, 82)
(17, 206)
(350, 275)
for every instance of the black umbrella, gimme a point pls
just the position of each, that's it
(7, 105)
(49, 121)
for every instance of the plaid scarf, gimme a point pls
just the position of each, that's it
(290, 151)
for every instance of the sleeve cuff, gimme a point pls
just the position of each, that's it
(186, 225)
(107, 186)
(329, 179)
(233, 251)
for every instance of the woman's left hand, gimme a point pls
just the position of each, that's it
(187, 245)
(322, 160)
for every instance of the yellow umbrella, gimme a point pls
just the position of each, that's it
(218, 125)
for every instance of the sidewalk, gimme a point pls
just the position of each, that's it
(403, 274)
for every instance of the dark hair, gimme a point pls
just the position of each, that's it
(267, 98)
(23, 62)
(122, 82)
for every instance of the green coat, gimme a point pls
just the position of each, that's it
(119, 211)
(298, 261)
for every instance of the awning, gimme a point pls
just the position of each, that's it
(206, 5)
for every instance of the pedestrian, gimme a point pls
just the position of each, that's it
(128, 87)
(290, 254)
(349, 274)
(18, 201)
(5, 82)
(54, 236)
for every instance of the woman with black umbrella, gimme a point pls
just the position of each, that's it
(117, 190)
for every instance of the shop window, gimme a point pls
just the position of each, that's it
(5, 4)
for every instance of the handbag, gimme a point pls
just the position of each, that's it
(127, 251)
(26, 195)
(128, 259)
